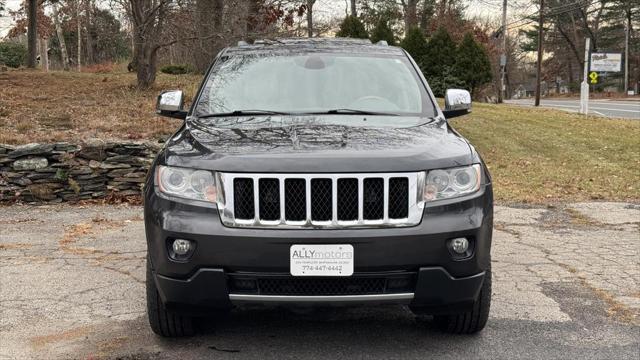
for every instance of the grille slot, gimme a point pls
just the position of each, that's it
(373, 202)
(243, 201)
(321, 200)
(347, 199)
(269, 199)
(398, 198)
(295, 199)
(354, 285)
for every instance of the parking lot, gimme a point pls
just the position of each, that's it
(565, 286)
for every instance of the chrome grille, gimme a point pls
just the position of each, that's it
(320, 200)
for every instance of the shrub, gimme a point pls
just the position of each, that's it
(352, 27)
(12, 54)
(416, 45)
(382, 31)
(179, 69)
(472, 64)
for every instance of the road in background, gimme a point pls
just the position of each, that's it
(608, 108)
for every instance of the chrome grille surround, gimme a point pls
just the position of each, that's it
(226, 205)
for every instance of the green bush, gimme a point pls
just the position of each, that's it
(179, 69)
(416, 45)
(472, 65)
(352, 27)
(12, 54)
(382, 31)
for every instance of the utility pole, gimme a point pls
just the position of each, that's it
(584, 86)
(627, 32)
(503, 57)
(539, 64)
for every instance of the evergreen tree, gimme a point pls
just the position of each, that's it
(472, 65)
(440, 53)
(382, 31)
(352, 27)
(416, 45)
(438, 63)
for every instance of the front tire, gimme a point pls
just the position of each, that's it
(164, 322)
(472, 321)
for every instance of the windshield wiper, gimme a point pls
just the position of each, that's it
(243, 112)
(354, 112)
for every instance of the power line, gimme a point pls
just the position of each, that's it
(562, 9)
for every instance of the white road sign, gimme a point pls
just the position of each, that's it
(606, 62)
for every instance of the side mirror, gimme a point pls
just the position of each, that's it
(170, 104)
(457, 102)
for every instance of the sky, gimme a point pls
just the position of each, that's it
(332, 8)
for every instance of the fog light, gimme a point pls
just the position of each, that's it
(181, 247)
(460, 245)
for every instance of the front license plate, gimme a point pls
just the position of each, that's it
(321, 260)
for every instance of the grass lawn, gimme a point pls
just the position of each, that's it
(543, 155)
(535, 155)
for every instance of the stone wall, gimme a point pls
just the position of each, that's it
(67, 172)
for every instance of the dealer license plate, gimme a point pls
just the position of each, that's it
(321, 260)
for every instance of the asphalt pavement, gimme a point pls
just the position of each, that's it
(565, 287)
(608, 108)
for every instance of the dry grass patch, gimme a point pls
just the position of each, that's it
(542, 156)
(69, 106)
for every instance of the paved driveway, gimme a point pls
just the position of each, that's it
(565, 286)
(608, 108)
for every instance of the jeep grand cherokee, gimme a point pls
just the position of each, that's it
(317, 172)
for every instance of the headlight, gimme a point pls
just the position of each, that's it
(450, 183)
(186, 183)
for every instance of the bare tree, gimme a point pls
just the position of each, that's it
(410, 8)
(310, 4)
(32, 33)
(79, 34)
(353, 8)
(60, 34)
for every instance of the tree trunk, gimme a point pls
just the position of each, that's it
(44, 54)
(252, 22)
(79, 35)
(60, 34)
(427, 15)
(90, 58)
(310, 17)
(353, 8)
(147, 61)
(410, 15)
(32, 33)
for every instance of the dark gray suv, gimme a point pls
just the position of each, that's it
(317, 172)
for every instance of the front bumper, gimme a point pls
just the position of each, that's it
(441, 282)
(435, 291)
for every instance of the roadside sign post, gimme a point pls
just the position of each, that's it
(584, 86)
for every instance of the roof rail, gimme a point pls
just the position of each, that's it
(243, 43)
(382, 43)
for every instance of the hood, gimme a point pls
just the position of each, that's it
(316, 144)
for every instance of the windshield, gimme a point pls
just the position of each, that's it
(314, 83)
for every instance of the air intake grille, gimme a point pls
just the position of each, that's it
(373, 199)
(321, 200)
(398, 198)
(354, 285)
(243, 198)
(347, 199)
(269, 199)
(295, 197)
